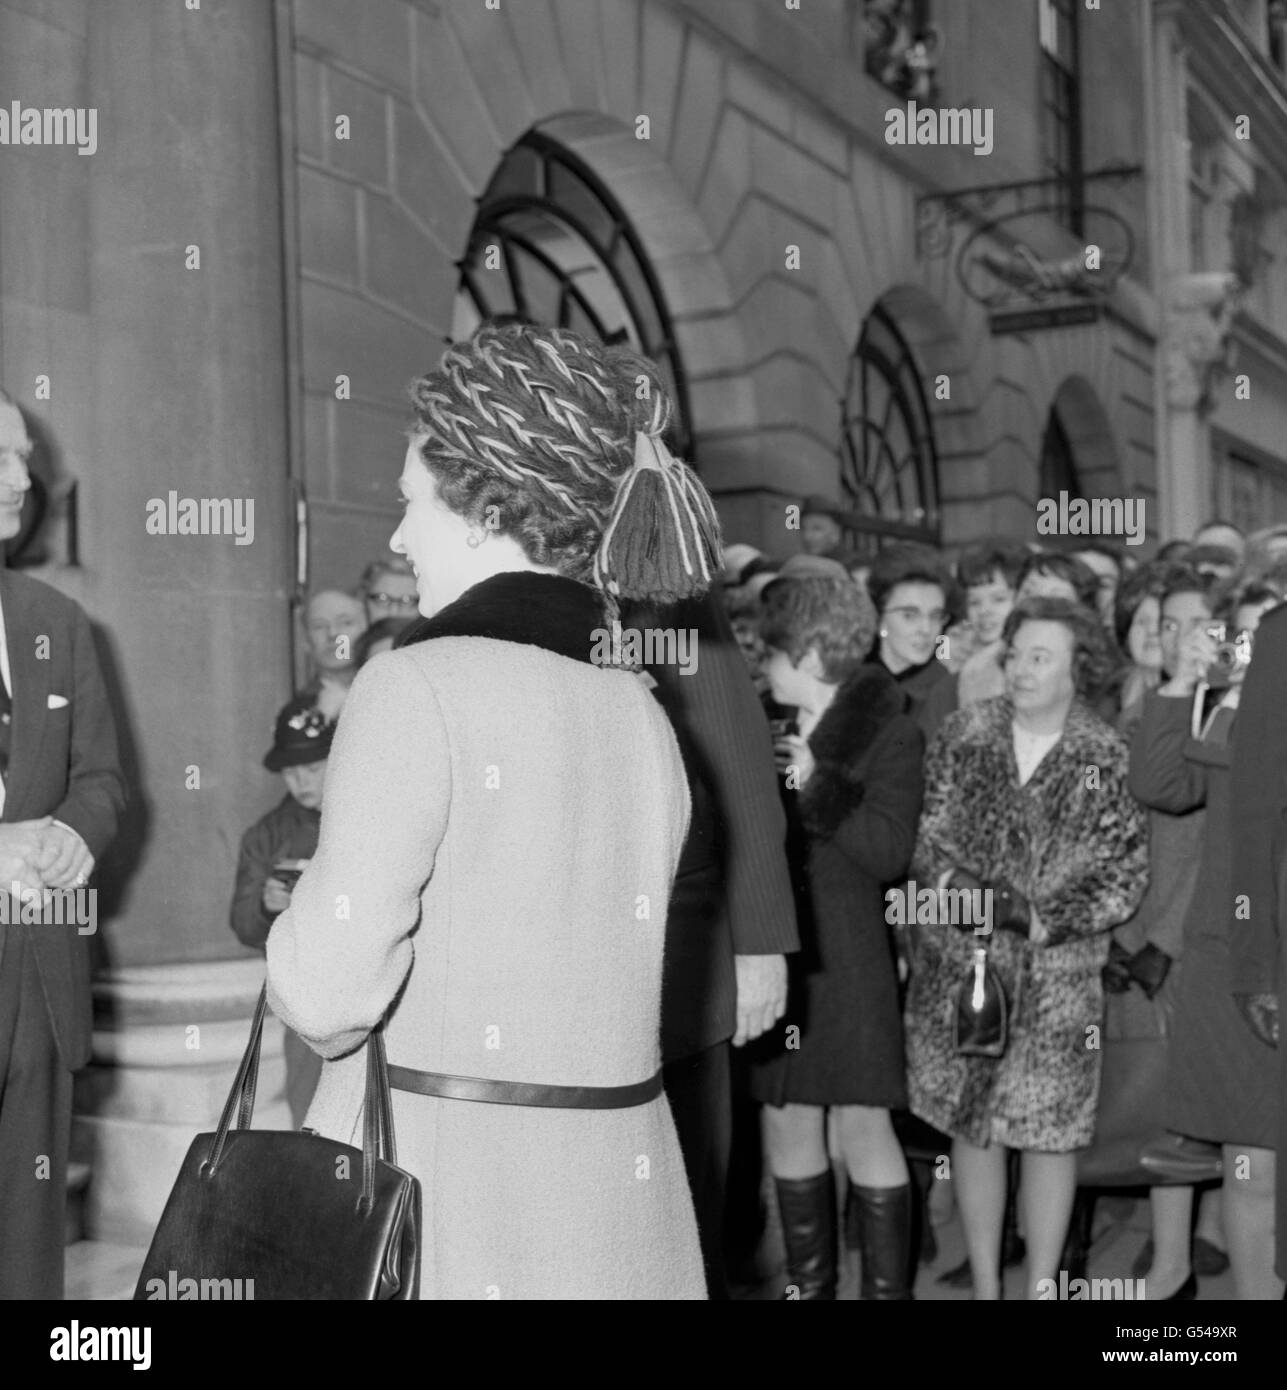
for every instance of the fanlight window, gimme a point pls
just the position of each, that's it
(550, 244)
(888, 463)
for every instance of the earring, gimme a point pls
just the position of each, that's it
(473, 540)
(884, 632)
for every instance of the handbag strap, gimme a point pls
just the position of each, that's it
(377, 1106)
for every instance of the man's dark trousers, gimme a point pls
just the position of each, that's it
(35, 1128)
(700, 1095)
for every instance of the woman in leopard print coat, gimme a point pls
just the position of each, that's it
(1025, 794)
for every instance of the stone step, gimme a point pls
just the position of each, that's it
(77, 1183)
(98, 1269)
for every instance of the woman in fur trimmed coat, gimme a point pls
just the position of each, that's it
(854, 792)
(1025, 799)
(503, 823)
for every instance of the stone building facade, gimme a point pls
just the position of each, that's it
(710, 179)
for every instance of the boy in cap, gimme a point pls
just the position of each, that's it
(274, 852)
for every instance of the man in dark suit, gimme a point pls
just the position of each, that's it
(1258, 861)
(731, 918)
(62, 794)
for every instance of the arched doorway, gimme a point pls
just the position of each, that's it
(551, 244)
(1078, 452)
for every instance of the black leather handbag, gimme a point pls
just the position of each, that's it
(288, 1213)
(981, 1021)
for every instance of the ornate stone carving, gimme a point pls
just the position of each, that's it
(1200, 310)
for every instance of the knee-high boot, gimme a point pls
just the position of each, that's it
(883, 1217)
(808, 1207)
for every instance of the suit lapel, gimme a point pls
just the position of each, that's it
(30, 680)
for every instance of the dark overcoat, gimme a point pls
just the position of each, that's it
(1258, 854)
(1074, 842)
(852, 827)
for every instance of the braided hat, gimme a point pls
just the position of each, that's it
(564, 434)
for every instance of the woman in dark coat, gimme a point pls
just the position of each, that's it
(915, 598)
(854, 784)
(1026, 801)
(1222, 1084)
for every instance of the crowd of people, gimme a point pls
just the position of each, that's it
(629, 912)
(1061, 750)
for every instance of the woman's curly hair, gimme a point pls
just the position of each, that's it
(832, 616)
(1095, 664)
(528, 430)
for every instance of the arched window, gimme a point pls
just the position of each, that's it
(888, 463)
(551, 244)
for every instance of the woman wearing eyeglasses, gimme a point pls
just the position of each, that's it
(1221, 1077)
(915, 598)
(389, 589)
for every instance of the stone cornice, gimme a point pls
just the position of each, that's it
(1223, 60)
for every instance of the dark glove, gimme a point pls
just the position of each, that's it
(1117, 972)
(1148, 968)
(1010, 910)
(1260, 1012)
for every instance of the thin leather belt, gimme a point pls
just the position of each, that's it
(436, 1083)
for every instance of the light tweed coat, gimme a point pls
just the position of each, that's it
(500, 831)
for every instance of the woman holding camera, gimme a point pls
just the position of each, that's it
(1026, 804)
(1220, 1079)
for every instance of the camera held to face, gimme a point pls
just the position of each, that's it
(1232, 657)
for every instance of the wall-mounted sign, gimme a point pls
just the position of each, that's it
(1014, 251)
(1056, 316)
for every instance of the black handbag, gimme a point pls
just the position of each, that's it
(289, 1214)
(981, 1019)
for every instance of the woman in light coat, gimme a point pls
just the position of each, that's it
(504, 818)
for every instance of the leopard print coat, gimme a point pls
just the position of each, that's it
(1075, 842)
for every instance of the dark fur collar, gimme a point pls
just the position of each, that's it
(536, 610)
(862, 707)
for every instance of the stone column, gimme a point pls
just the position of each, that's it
(185, 385)
(1199, 311)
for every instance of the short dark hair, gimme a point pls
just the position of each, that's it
(1100, 547)
(1174, 550)
(982, 564)
(1095, 663)
(1205, 554)
(1058, 565)
(908, 563)
(832, 616)
(1184, 579)
(386, 564)
(1223, 522)
(379, 630)
(1149, 581)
